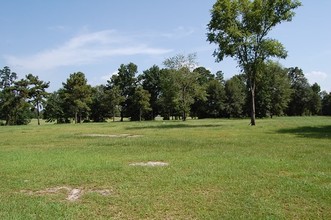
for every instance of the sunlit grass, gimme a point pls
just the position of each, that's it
(218, 169)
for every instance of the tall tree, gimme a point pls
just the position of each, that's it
(240, 28)
(301, 93)
(273, 90)
(14, 108)
(235, 96)
(126, 81)
(55, 108)
(167, 101)
(99, 105)
(315, 100)
(151, 81)
(77, 93)
(141, 98)
(215, 98)
(213, 105)
(7, 96)
(114, 99)
(37, 92)
(186, 81)
(326, 103)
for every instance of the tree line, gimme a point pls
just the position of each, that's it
(178, 91)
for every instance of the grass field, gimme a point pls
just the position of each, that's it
(217, 169)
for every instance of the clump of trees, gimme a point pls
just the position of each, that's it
(182, 89)
(20, 99)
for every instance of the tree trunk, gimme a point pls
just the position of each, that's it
(7, 119)
(38, 113)
(76, 117)
(114, 114)
(253, 104)
(139, 114)
(122, 116)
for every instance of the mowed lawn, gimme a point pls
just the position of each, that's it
(217, 169)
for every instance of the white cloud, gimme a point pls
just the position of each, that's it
(108, 76)
(321, 78)
(316, 76)
(84, 49)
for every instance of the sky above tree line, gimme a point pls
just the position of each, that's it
(53, 39)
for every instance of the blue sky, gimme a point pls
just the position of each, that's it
(53, 39)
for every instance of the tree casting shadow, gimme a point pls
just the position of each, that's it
(309, 132)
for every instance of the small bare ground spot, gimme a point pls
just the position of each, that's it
(150, 164)
(112, 135)
(54, 190)
(73, 194)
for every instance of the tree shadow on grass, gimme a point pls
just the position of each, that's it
(171, 126)
(309, 132)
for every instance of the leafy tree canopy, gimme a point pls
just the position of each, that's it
(240, 29)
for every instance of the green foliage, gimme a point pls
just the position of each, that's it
(151, 81)
(14, 109)
(240, 29)
(126, 81)
(166, 92)
(167, 100)
(211, 106)
(55, 108)
(181, 61)
(8, 77)
(188, 87)
(326, 103)
(301, 95)
(141, 101)
(215, 99)
(315, 104)
(99, 106)
(115, 99)
(235, 97)
(77, 94)
(273, 90)
(184, 82)
(37, 92)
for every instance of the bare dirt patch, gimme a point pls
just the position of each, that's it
(73, 194)
(112, 135)
(150, 164)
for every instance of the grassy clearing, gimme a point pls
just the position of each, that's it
(218, 169)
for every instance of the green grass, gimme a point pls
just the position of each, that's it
(218, 169)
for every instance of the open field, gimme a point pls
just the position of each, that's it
(211, 169)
